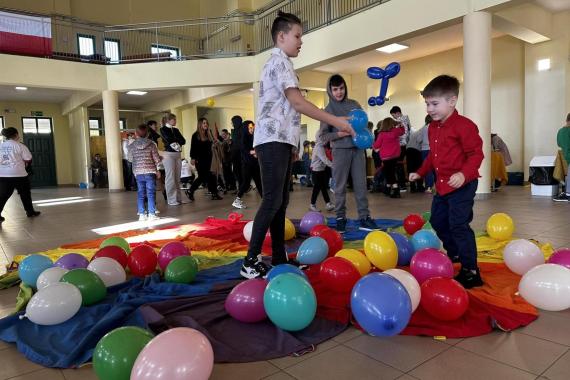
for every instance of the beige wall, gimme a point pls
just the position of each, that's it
(60, 131)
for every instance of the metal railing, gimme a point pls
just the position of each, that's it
(230, 36)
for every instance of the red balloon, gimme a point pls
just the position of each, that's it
(142, 260)
(334, 241)
(444, 298)
(339, 274)
(413, 223)
(113, 252)
(318, 229)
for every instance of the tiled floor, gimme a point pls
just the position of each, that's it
(540, 350)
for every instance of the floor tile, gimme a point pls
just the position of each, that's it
(288, 361)
(256, 370)
(44, 374)
(342, 363)
(401, 352)
(549, 326)
(85, 372)
(518, 350)
(279, 376)
(15, 364)
(348, 334)
(559, 370)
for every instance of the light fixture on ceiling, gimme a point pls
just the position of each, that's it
(543, 64)
(20, 88)
(252, 89)
(392, 48)
(139, 93)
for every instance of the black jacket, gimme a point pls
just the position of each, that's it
(171, 135)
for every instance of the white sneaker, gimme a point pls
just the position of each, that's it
(175, 204)
(152, 217)
(142, 217)
(157, 212)
(185, 201)
(238, 203)
(314, 208)
(330, 206)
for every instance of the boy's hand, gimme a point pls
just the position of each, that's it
(343, 134)
(158, 174)
(414, 177)
(345, 126)
(457, 180)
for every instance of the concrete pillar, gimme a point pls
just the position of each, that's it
(477, 86)
(113, 140)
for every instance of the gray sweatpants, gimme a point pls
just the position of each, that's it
(353, 161)
(172, 162)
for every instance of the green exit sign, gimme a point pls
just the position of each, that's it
(37, 113)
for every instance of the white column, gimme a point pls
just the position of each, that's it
(477, 86)
(113, 140)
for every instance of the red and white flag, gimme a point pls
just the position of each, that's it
(23, 34)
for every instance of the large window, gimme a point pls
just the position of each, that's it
(122, 123)
(36, 125)
(157, 49)
(86, 45)
(112, 50)
(95, 128)
(1, 122)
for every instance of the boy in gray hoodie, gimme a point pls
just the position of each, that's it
(347, 158)
(143, 153)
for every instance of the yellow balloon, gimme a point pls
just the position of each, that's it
(381, 250)
(500, 226)
(210, 102)
(289, 229)
(357, 258)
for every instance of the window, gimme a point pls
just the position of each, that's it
(95, 128)
(157, 49)
(35, 125)
(1, 122)
(86, 44)
(112, 50)
(122, 123)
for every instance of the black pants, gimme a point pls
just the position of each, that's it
(236, 167)
(204, 176)
(229, 179)
(129, 180)
(400, 172)
(22, 184)
(275, 165)
(389, 170)
(320, 184)
(250, 170)
(450, 217)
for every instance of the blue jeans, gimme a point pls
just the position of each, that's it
(429, 177)
(450, 217)
(146, 189)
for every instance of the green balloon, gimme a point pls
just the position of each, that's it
(115, 354)
(182, 270)
(426, 216)
(116, 241)
(427, 226)
(89, 284)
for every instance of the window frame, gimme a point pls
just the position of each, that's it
(100, 130)
(118, 42)
(168, 48)
(93, 40)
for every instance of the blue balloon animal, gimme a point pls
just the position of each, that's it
(384, 75)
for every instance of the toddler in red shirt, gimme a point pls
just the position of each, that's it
(388, 145)
(455, 155)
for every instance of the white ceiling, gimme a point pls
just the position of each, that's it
(137, 102)
(420, 46)
(554, 5)
(43, 95)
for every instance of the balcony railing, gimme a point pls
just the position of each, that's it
(231, 36)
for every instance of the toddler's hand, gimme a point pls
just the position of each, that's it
(457, 180)
(414, 177)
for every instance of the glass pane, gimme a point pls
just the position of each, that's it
(86, 46)
(94, 132)
(29, 125)
(163, 49)
(44, 126)
(1, 122)
(94, 124)
(112, 51)
(122, 124)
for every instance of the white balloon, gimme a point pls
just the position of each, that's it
(521, 255)
(410, 283)
(247, 230)
(109, 270)
(54, 304)
(547, 287)
(50, 276)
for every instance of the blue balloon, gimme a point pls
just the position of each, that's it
(358, 119)
(313, 251)
(384, 76)
(375, 72)
(381, 304)
(31, 267)
(405, 249)
(285, 268)
(290, 302)
(392, 70)
(363, 139)
(425, 239)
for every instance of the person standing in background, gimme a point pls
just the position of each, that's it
(172, 160)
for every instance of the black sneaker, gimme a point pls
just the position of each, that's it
(469, 278)
(368, 224)
(561, 198)
(33, 214)
(341, 225)
(254, 268)
(190, 195)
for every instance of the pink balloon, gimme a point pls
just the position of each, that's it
(430, 262)
(170, 251)
(561, 257)
(245, 301)
(176, 354)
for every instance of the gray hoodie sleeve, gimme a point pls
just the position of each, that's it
(327, 133)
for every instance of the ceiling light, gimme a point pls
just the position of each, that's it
(543, 64)
(252, 89)
(19, 88)
(139, 93)
(392, 48)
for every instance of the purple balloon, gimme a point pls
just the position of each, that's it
(309, 220)
(72, 261)
(429, 263)
(405, 249)
(245, 301)
(170, 251)
(561, 257)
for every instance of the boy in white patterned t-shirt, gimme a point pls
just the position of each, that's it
(277, 132)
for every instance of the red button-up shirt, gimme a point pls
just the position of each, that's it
(455, 146)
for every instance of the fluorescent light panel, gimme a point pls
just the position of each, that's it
(21, 88)
(392, 48)
(543, 64)
(139, 93)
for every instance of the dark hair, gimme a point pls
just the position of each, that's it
(9, 132)
(283, 23)
(151, 122)
(428, 119)
(237, 121)
(395, 109)
(225, 130)
(388, 124)
(142, 130)
(246, 123)
(443, 85)
(170, 116)
(370, 125)
(568, 117)
(336, 80)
